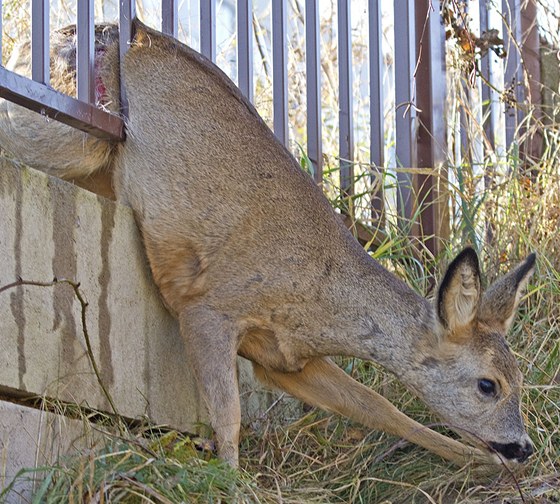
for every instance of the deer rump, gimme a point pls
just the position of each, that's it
(251, 258)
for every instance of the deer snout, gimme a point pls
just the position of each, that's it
(517, 451)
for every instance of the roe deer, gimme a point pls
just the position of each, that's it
(251, 258)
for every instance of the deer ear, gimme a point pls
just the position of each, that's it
(459, 293)
(500, 301)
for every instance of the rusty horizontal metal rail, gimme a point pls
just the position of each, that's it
(45, 100)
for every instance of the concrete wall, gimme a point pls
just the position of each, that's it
(49, 228)
(31, 438)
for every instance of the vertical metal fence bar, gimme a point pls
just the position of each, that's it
(487, 94)
(513, 72)
(431, 139)
(376, 115)
(465, 118)
(405, 57)
(346, 129)
(85, 28)
(280, 69)
(489, 120)
(208, 28)
(245, 47)
(313, 71)
(40, 50)
(127, 11)
(169, 17)
(0, 32)
(532, 147)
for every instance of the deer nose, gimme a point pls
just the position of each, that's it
(514, 450)
(526, 452)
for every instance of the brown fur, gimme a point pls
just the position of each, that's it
(251, 258)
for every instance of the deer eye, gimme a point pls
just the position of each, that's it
(487, 387)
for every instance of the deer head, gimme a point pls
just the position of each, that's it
(470, 376)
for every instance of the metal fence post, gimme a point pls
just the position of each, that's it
(376, 112)
(208, 28)
(313, 69)
(280, 69)
(346, 123)
(245, 47)
(40, 48)
(1, 31)
(405, 60)
(488, 95)
(431, 96)
(127, 12)
(169, 17)
(532, 147)
(85, 57)
(513, 72)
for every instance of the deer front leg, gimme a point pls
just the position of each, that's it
(211, 343)
(322, 383)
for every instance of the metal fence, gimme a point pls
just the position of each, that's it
(421, 130)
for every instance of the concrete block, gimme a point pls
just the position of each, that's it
(51, 228)
(30, 439)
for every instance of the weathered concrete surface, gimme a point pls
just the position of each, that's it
(50, 228)
(30, 439)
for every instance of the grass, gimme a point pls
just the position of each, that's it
(163, 469)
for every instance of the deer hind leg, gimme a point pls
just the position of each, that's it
(212, 349)
(322, 383)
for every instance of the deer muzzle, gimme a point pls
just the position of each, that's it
(517, 451)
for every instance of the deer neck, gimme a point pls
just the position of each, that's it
(385, 320)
